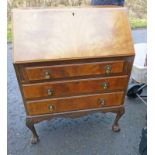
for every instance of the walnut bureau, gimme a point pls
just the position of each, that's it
(72, 61)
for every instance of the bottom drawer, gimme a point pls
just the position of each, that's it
(57, 105)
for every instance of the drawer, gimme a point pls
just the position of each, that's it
(59, 105)
(73, 70)
(74, 87)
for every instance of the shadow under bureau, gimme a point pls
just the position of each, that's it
(72, 61)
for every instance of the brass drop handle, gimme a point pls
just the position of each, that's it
(50, 92)
(105, 85)
(51, 108)
(108, 69)
(47, 75)
(101, 101)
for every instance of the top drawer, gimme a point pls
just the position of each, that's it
(34, 73)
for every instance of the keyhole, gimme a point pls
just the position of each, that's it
(73, 13)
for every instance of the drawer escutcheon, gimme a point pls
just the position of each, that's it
(101, 101)
(105, 85)
(50, 92)
(108, 69)
(51, 108)
(47, 75)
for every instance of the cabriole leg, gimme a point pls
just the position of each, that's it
(115, 126)
(30, 125)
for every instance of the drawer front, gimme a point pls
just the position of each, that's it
(74, 87)
(73, 70)
(59, 105)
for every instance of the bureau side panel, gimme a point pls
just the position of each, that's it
(18, 70)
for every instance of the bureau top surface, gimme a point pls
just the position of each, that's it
(70, 33)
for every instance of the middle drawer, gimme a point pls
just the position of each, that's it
(74, 87)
